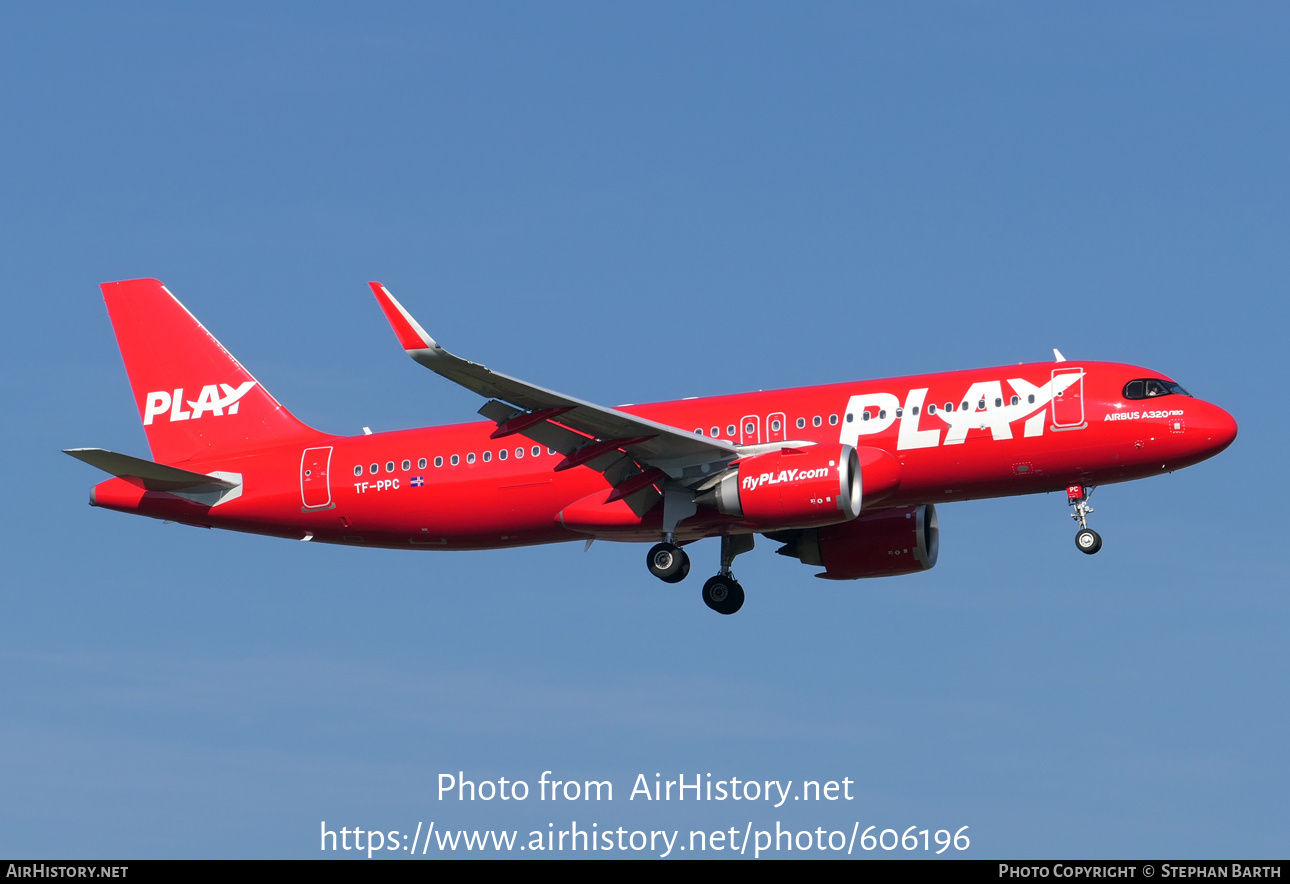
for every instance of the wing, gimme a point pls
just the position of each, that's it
(626, 448)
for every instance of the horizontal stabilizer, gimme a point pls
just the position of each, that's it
(153, 476)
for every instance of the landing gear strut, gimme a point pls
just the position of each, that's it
(668, 562)
(1087, 540)
(723, 593)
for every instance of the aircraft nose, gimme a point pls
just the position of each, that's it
(1220, 429)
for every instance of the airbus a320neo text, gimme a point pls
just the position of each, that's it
(843, 477)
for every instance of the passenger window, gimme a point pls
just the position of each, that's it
(537, 450)
(730, 431)
(470, 458)
(375, 468)
(698, 432)
(501, 455)
(900, 412)
(455, 460)
(801, 423)
(775, 425)
(1016, 400)
(913, 411)
(998, 403)
(550, 451)
(931, 409)
(407, 465)
(815, 421)
(949, 406)
(963, 407)
(358, 470)
(716, 431)
(389, 466)
(438, 461)
(1031, 398)
(833, 420)
(980, 406)
(421, 464)
(864, 416)
(750, 428)
(519, 452)
(882, 414)
(488, 455)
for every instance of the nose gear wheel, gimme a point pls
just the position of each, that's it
(1087, 540)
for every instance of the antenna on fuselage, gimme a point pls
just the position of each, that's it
(1057, 354)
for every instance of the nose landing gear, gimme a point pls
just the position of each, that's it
(1087, 540)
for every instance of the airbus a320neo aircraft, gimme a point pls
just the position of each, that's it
(845, 477)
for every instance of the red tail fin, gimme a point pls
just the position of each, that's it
(194, 397)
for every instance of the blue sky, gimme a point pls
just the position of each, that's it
(632, 204)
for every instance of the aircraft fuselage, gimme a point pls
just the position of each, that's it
(962, 435)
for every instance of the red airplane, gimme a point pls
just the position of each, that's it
(845, 476)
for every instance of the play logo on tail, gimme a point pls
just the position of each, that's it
(209, 401)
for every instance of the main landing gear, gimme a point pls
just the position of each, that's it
(668, 562)
(1087, 540)
(722, 593)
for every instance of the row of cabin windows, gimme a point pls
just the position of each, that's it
(455, 459)
(949, 407)
(751, 428)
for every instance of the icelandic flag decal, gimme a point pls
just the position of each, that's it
(418, 481)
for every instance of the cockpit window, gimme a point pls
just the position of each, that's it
(1150, 388)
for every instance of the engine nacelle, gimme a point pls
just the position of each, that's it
(903, 540)
(791, 487)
